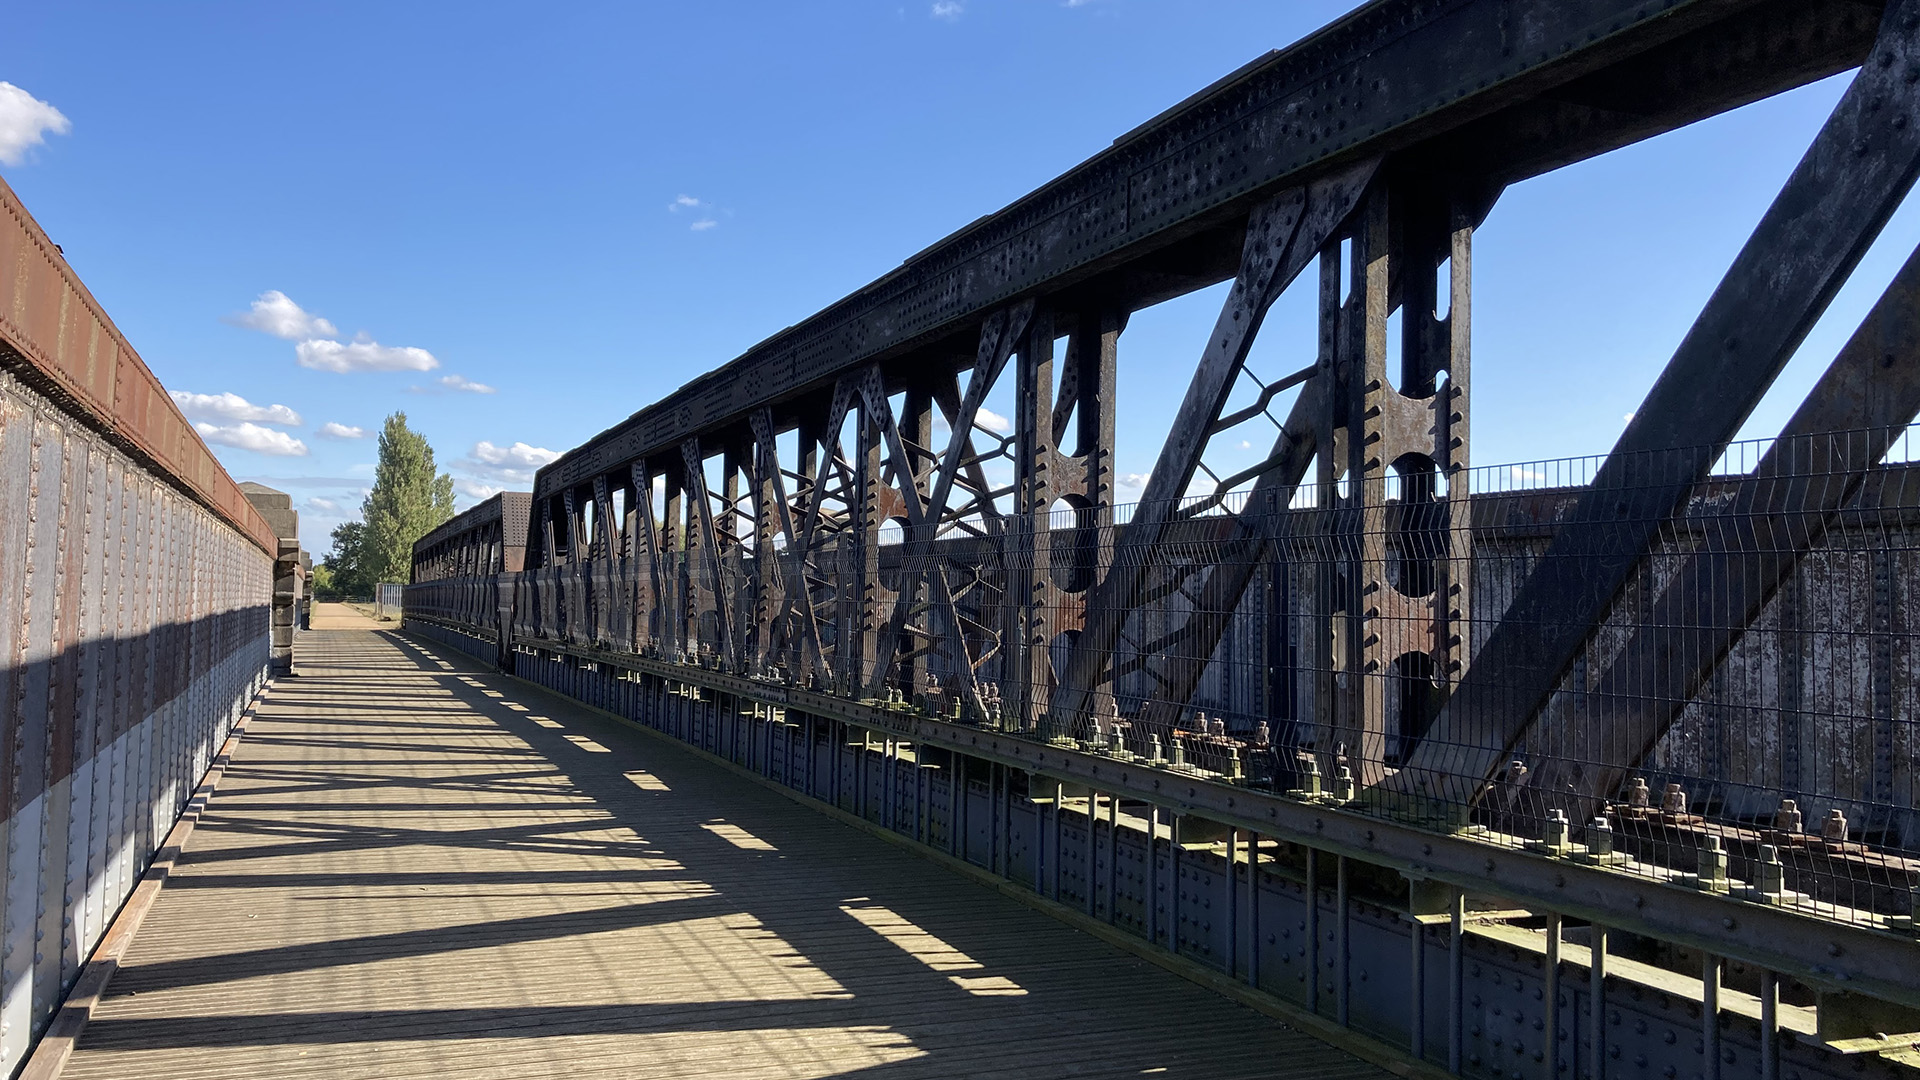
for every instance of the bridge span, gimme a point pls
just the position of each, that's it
(809, 722)
(416, 866)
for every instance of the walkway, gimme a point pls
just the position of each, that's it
(417, 868)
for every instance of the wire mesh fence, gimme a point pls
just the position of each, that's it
(1739, 716)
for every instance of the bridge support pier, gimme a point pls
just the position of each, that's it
(289, 573)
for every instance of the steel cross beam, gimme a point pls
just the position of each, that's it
(1284, 236)
(1851, 179)
(1504, 88)
(1816, 468)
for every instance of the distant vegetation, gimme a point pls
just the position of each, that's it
(408, 500)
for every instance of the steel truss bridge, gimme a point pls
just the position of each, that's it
(1597, 769)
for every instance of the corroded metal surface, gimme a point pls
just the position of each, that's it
(1484, 92)
(1335, 926)
(55, 335)
(487, 538)
(133, 630)
(1675, 703)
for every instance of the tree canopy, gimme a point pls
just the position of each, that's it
(409, 498)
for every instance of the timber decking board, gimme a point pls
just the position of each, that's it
(401, 876)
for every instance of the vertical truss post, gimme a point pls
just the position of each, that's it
(579, 548)
(1399, 432)
(916, 434)
(648, 595)
(673, 547)
(770, 521)
(1080, 482)
(706, 561)
(806, 651)
(605, 548)
(736, 599)
(1091, 394)
(1320, 661)
(864, 600)
(572, 611)
(1029, 541)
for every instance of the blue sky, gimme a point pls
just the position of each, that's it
(579, 207)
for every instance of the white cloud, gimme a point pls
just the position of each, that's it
(231, 406)
(507, 464)
(1136, 480)
(461, 382)
(475, 490)
(316, 345)
(25, 122)
(1246, 444)
(333, 429)
(703, 210)
(275, 313)
(1628, 418)
(947, 9)
(517, 454)
(362, 356)
(248, 436)
(1524, 475)
(992, 421)
(324, 506)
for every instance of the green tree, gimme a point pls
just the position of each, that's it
(320, 582)
(409, 498)
(346, 563)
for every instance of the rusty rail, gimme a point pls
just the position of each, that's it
(56, 337)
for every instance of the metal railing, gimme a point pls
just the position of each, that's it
(1744, 717)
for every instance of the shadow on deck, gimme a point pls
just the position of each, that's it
(414, 867)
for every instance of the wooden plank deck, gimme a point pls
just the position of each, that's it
(416, 868)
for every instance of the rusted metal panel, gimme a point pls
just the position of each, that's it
(486, 538)
(55, 334)
(133, 624)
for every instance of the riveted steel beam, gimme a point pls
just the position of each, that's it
(1159, 213)
(1859, 168)
(1651, 901)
